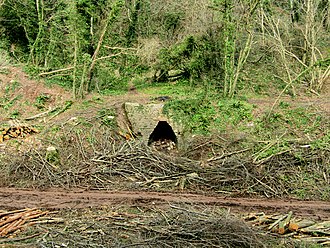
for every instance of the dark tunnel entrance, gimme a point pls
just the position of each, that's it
(162, 132)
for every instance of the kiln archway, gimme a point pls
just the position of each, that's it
(163, 131)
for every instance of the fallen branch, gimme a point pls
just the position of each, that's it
(276, 222)
(10, 240)
(41, 114)
(66, 107)
(55, 71)
(13, 212)
(48, 221)
(227, 155)
(12, 227)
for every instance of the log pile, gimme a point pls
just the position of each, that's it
(164, 145)
(289, 226)
(13, 222)
(7, 133)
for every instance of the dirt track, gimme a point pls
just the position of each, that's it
(59, 199)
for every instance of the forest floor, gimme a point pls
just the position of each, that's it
(23, 99)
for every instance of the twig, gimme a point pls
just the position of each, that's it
(265, 185)
(164, 177)
(189, 211)
(48, 221)
(227, 155)
(41, 114)
(66, 107)
(197, 147)
(111, 56)
(262, 161)
(20, 239)
(55, 71)
(120, 48)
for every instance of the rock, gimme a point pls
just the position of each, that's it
(53, 156)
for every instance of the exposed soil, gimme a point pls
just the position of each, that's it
(59, 199)
(15, 84)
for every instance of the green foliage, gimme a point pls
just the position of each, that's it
(52, 156)
(197, 57)
(7, 103)
(233, 111)
(322, 142)
(57, 34)
(291, 122)
(180, 89)
(89, 40)
(196, 113)
(41, 101)
(15, 114)
(18, 21)
(201, 115)
(11, 87)
(108, 117)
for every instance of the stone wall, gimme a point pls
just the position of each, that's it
(144, 118)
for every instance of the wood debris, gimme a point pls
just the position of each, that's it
(12, 222)
(7, 133)
(164, 145)
(290, 226)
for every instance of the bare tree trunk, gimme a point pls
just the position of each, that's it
(311, 28)
(96, 52)
(112, 14)
(40, 12)
(243, 55)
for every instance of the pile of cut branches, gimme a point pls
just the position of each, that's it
(191, 228)
(115, 164)
(179, 226)
(232, 171)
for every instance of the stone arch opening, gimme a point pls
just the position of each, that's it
(163, 131)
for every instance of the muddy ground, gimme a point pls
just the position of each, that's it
(55, 199)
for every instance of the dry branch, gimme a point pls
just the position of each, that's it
(10, 240)
(55, 71)
(112, 163)
(41, 114)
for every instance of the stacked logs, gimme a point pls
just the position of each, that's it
(289, 226)
(7, 133)
(163, 145)
(12, 222)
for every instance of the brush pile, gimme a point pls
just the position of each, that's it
(179, 226)
(106, 162)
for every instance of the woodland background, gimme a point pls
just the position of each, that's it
(226, 45)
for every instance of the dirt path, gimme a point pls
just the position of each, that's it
(59, 199)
